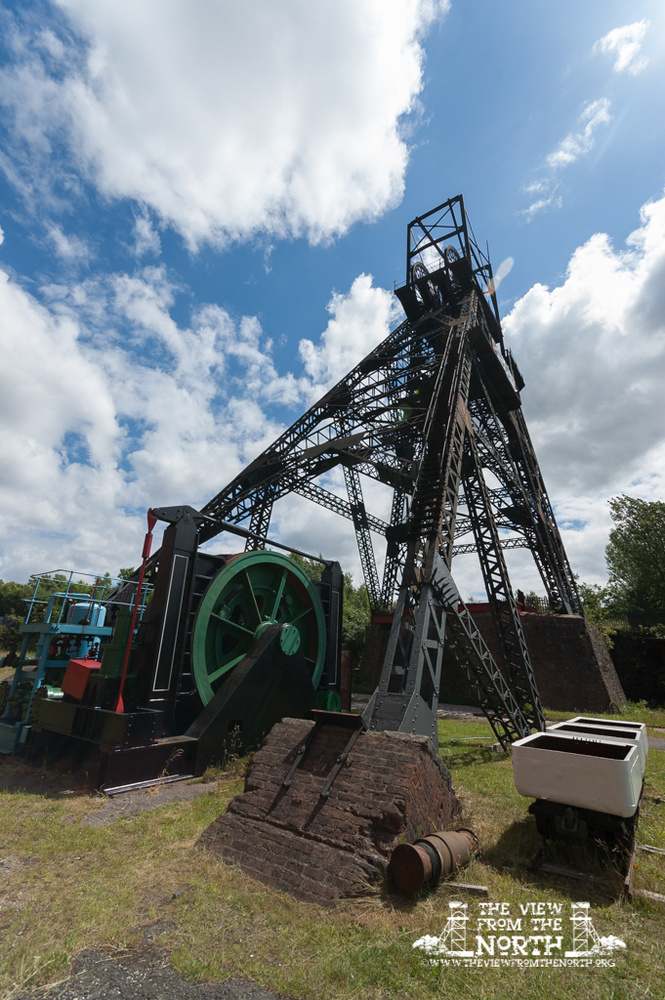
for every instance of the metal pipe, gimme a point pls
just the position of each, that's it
(431, 858)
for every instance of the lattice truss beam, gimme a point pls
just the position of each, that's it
(373, 424)
(433, 413)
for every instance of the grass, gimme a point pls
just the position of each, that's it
(66, 885)
(653, 718)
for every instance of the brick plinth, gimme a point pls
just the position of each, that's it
(573, 669)
(392, 787)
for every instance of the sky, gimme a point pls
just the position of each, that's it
(203, 212)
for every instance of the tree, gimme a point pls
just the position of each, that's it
(355, 613)
(312, 567)
(635, 555)
(595, 600)
(13, 597)
(10, 637)
(356, 617)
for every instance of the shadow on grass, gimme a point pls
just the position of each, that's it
(602, 868)
(18, 777)
(456, 756)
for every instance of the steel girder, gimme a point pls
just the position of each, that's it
(373, 401)
(407, 696)
(505, 448)
(428, 413)
(517, 662)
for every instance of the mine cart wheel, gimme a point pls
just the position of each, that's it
(252, 591)
(545, 827)
(624, 837)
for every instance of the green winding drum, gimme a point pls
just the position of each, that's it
(251, 592)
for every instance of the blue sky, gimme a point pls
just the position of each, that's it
(203, 214)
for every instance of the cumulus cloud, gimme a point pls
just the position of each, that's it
(226, 119)
(593, 354)
(359, 321)
(108, 406)
(626, 43)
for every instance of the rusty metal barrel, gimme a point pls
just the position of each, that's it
(431, 858)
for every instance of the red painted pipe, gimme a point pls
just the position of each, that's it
(147, 545)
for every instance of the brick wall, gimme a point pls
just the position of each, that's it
(571, 663)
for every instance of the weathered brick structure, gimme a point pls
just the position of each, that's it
(573, 667)
(571, 663)
(392, 787)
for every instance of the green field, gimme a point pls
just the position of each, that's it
(67, 885)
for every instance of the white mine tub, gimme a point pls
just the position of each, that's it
(587, 731)
(614, 724)
(586, 774)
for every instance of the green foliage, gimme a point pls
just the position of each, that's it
(355, 619)
(312, 567)
(48, 585)
(635, 555)
(595, 600)
(15, 600)
(598, 607)
(126, 573)
(10, 636)
(356, 614)
(12, 598)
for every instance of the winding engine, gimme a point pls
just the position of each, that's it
(229, 645)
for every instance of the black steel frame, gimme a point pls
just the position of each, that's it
(429, 413)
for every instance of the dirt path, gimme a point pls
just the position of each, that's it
(141, 974)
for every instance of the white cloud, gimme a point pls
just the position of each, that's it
(576, 144)
(70, 249)
(146, 238)
(581, 142)
(359, 321)
(108, 406)
(552, 201)
(593, 354)
(2, 236)
(228, 119)
(626, 42)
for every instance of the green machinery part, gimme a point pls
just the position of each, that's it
(251, 592)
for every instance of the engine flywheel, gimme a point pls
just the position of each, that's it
(252, 591)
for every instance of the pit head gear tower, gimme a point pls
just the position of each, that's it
(231, 643)
(434, 413)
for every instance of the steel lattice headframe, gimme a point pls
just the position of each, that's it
(429, 413)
